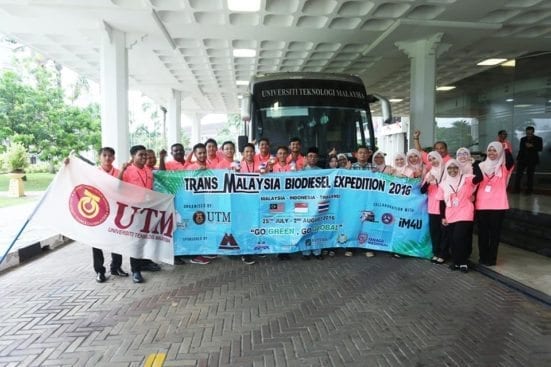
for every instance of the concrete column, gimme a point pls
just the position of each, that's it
(114, 91)
(195, 129)
(174, 119)
(422, 54)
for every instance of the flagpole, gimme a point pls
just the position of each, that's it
(38, 206)
(26, 222)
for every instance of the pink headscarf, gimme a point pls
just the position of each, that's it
(437, 172)
(451, 185)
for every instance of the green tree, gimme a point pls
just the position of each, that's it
(456, 136)
(34, 112)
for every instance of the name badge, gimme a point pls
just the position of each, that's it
(455, 202)
(488, 188)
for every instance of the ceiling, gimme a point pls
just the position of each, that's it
(358, 37)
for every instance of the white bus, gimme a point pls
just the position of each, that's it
(322, 109)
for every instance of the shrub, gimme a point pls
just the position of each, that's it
(16, 158)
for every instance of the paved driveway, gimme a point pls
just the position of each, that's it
(336, 312)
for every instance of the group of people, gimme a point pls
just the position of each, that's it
(459, 189)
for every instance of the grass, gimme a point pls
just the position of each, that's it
(35, 182)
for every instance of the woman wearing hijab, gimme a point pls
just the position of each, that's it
(457, 210)
(379, 164)
(415, 162)
(400, 167)
(430, 185)
(463, 156)
(491, 200)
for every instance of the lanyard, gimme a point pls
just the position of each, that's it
(458, 184)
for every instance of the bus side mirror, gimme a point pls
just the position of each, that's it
(385, 109)
(241, 141)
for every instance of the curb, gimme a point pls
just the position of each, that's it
(29, 252)
(511, 283)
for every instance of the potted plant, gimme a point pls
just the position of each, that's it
(16, 159)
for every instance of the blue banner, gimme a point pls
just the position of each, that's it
(221, 212)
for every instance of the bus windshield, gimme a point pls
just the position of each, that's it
(325, 127)
(327, 111)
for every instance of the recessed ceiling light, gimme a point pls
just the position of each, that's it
(395, 100)
(490, 62)
(510, 63)
(242, 82)
(244, 52)
(244, 5)
(509, 100)
(523, 105)
(445, 88)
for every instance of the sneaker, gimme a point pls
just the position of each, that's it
(325, 252)
(464, 268)
(348, 253)
(369, 254)
(331, 253)
(395, 255)
(247, 260)
(201, 260)
(440, 260)
(210, 257)
(434, 259)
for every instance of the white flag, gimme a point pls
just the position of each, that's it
(95, 208)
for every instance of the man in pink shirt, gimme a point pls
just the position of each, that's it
(178, 154)
(502, 138)
(200, 152)
(107, 157)
(295, 144)
(137, 174)
(439, 146)
(213, 154)
(227, 162)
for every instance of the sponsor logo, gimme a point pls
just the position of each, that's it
(387, 218)
(367, 216)
(410, 223)
(362, 237)
(199, 217)
(228, 243)
(88, 205)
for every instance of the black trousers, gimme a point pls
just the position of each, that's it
(530, 170)
(135, 265)
(489, 232)
(97, 254)
(460, 236)
(439, 237)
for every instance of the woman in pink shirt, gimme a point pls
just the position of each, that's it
(463, 156)
(430, 185)
(415, 163)
(491, 200)
(379, 163)
(457, 211)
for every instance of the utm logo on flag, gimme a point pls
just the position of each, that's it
(301, 207)
(323, 206)
(277, 207)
